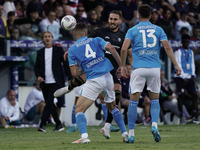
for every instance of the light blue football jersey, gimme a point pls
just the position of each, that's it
(146, 39)
(90, 56)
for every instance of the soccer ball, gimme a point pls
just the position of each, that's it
(68, 22)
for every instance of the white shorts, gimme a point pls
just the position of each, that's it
(78, 90)
(103, 84)
(140, 76)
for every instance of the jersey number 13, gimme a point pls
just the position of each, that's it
(150, 34)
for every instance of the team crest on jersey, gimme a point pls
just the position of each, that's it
(107, 37)
(119, 39)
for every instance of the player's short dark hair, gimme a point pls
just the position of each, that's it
(80, 26)
(144, 11)
(11, 13)
(117, 13)
(185, 37)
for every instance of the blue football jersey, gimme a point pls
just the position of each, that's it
(146, 39)
(90, 56)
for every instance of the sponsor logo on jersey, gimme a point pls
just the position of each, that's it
(107, 37)
(119, 39)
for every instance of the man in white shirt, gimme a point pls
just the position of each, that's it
(34, 103)
(9, 109)
(49, 24)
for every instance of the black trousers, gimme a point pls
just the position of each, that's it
(50, 108)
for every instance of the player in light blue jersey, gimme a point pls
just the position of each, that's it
(88, 52)
(146, 39)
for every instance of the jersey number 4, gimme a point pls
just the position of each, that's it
(89, 52)
(150, 35)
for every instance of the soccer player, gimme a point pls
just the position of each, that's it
(89, 54)
(146, 39)
(115, 36)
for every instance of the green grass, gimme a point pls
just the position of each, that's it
(174, 137)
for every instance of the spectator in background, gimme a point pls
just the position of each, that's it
(93, 20)
(8, 6)
(166, 97)
(19, 9)
(180, 6)
(79, 15)
(181, 23)
(29, 27)
(49, 24)
(167, 24)
(154, 17)
(9, 110)
(59, 13)
(36, 4)
(165, 5)
(196, 50)
(49, 5)
(100, 11)
(128, 9)
(154, 5)
(67, 10)
(194, 7)
(34, 103)
(89, 4)
(15, 35)
(186, 81)
(3, 31)
(191, 19)
(195, 33)
(10, 21)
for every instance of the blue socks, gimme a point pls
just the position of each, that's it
(73, 115)
(117, 116)
(155, 110)
(81, 122)
(105, 110)
(132, 114)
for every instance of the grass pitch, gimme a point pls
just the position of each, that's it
(173, 137)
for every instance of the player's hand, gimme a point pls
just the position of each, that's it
(65, 55)
(124, 72)
(178, 70)
(118, 73)
(40, 79)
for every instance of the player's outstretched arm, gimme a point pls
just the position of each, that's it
(170, 54)
(113, 51)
